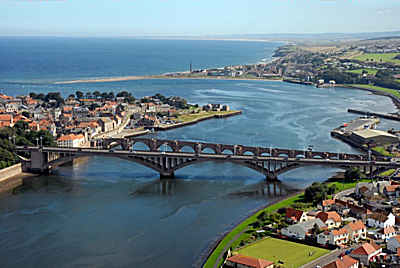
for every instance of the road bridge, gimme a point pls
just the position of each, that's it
(269, 161)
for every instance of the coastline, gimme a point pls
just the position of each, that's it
(150, 77)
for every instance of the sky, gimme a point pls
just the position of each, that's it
(195, 17)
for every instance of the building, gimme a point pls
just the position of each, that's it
(334, 237)
(374, 136)
(381, 220)
(386, 233)
(240, 261)
(71, 140)
(295, 215)
(392, 191)
(106, 124)
(393, 244)
(356, 230)
(331, 219)
(343, 262)
(6, 120)
(366, 253)
(327, 204)
(300, 230)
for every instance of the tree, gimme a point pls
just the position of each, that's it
(352, 174)
(316, 192)
(26, 114)
(79, 94)
(97, 94)
(123, 94)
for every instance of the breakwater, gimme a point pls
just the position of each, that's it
(381, 115)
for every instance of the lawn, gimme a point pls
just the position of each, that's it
(382, 151)
(377, 57)
(290, 253)
(196, 116)
(387, 173)
(341, 186)
(359, 71)
(387, 90)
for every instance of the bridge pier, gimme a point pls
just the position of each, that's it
(167, 175)
(271, 177)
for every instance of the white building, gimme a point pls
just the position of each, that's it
(380, 220)
(334, 237)
(71, 140)
(300, 230)
(386, 233)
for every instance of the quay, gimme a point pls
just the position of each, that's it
(395, 117)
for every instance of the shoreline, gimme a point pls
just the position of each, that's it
(159, 77)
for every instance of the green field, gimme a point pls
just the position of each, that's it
(382, 151)
(377, 57)
(290, 253)
(341, 186)
(196, 116)
(387, 173)
(387, 90)
(359, 71)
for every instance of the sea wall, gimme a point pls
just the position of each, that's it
(9, 179)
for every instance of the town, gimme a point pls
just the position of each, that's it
(358, 226)
(41, 120)
(370, 64)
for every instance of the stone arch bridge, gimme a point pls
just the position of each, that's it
(269, 161)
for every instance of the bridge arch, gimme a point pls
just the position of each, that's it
(187, 149)
(140, 146)
(208, 150)
(227, 151)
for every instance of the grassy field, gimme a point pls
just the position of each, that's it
(359, 71)
(382, 151)
(387, 172)
(387, 90)
(290, 253)
(192, 117)
(377, 57)
(347, 185)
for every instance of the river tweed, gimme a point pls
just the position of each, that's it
(107, 212)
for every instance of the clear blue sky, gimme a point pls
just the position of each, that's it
(197, 17)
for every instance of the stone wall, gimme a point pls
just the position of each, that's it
(9, 179)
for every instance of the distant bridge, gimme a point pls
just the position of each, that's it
(269, 161)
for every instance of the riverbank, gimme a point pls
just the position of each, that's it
(12, 177)
(232, 239)
(391, 93)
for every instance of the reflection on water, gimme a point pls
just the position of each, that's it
(269, 189)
